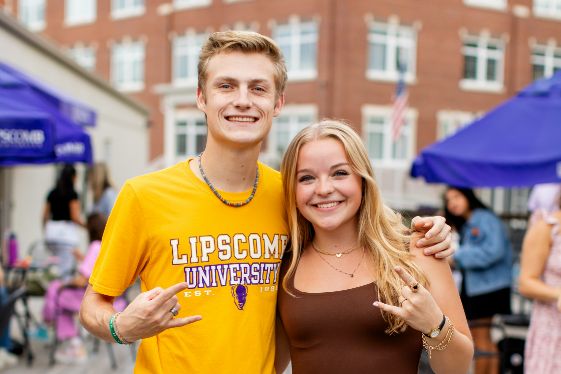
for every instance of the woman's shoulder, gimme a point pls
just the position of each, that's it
(480, 215)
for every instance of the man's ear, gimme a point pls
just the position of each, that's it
(278, 105)
(201, 100)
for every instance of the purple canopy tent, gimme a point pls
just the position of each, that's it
(39, 126)
(514, 145)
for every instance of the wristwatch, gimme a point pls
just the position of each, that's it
(436, 331)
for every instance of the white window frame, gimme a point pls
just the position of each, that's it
(191, 117)
(292, 113)
(187, 46)
(128, 85)
(482, 53)
(130, 9)
(188, 4)
(450, 121)
(550, 60)
(547, 8)
(83, 55)
(408, 131)
(32, 14)
(73, 17)
(488, 4)
(294, 40)
(394, 39)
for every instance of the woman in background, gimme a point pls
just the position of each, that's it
(61, 216)
(484, 259)
(104, 193)
(540, 280)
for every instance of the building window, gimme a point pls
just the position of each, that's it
(190, 134)
(449, 122)
(186, 50)
(127, 66)
(377, 131)
(126, 8)
(547, 8)
(182, 4)
(292, 119)
(483, 63)
(492, 4)
(298, 42)
(391, 50)
(80, 11)
(84, 56)
(546, 61)
(32, 14)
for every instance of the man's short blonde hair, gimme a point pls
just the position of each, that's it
(245, 42)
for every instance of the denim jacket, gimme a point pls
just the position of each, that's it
(485, 254)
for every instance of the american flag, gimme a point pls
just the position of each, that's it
(399, 107)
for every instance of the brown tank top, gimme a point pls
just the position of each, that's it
(342, 332)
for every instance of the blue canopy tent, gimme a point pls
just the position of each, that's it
(516, 144)
(38, 125)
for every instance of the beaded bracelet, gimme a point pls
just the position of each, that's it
(443, 344)
(115, 332)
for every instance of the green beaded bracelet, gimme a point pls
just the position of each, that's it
(112, 329)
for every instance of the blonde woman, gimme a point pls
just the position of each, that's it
(357, 296)
(104, 194)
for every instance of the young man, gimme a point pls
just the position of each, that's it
(183, 234)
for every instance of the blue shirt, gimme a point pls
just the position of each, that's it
(485, 254)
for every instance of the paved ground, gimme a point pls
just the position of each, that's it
(97, 361)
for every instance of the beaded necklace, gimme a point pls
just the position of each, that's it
(217, 194)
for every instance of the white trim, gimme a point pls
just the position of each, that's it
(482, 53)
(550, 9)
(191, 117)
(82, 20)
(487, 4)
(291, 40)
(84, 55)
(409, 131)
(396, 37)
(274, 151)
(550, 58)
(187, 46)
(130, 51)
(130, 10)
(31, 9)
(190, 4)
(471, 85)
(448, 122)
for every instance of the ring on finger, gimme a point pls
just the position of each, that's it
(174, 311)
(402, 301)
(415, 287)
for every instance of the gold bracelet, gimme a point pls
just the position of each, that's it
(443, 344)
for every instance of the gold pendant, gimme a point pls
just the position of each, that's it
(338, 255)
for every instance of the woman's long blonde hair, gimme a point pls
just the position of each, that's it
(380, 230)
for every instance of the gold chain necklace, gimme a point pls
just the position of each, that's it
(337, 254)
(339, 270)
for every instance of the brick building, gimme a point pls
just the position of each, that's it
(461, 58)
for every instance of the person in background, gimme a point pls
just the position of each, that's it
(350, 255)
(484, 259)
(63, 299)
(7, 359)
(104, 194)
(540, 280)
(61, 216)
